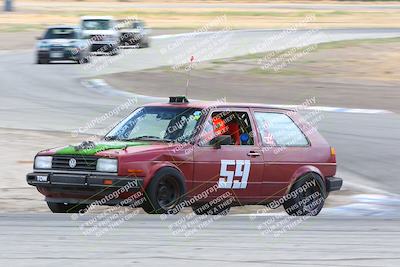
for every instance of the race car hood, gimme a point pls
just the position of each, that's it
(108, 149)
(59, 42)
(99, 32)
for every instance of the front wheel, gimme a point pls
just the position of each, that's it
(66, 208)
(42, 61)
(306, 197)
(165, 192)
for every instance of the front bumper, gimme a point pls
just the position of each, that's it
(59, 55)
(130, 39)
(333, 184)
(82, 188)
(104, 47)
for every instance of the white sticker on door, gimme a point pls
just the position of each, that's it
(227, 179)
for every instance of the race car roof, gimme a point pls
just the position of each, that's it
(63, 27)
(216, 104)
(97, 17)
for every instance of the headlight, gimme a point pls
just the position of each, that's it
(43, 162)
(107, 165)
(43, 47)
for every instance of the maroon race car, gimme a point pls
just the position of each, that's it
(210, 156)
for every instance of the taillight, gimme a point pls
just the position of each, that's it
(333, 154)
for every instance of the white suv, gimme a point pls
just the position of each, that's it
(101, 33)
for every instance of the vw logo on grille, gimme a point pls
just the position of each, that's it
(72, 163)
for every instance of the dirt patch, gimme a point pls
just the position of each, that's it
(19, 148)
(158, 14)
(18, 40)
(354, 74)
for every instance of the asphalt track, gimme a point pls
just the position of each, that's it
(48, 240)
(53, 97)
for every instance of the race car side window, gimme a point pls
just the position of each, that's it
(277, 129)
(233, 123)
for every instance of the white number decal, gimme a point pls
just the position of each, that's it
(242, 170)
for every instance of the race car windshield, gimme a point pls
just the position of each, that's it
(61, 34)
(171, 124)
(96, 25)
(130, 25)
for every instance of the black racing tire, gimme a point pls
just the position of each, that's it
(114, 52)
(308, 202)
(208, 209)
(165, 192)
(42, 61)
(144, 44)
(83, 60)
(67, 208)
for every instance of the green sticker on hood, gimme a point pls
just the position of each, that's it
(94, 148)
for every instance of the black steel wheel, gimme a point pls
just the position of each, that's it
(165, 192)
(307, 196)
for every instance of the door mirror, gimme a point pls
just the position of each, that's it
(221, 140)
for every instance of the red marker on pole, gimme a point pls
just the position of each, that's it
(190, 68)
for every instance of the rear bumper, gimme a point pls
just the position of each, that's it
(74, 188)
(333, 184)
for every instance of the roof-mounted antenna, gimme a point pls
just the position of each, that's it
(188, 77)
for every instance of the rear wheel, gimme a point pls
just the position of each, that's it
(307, 196)
(83, 60)
(144, 44)
(67, 208)
(165, 192)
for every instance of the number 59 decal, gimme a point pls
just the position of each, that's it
(242, 170)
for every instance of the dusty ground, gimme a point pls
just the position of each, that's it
(335, 73)
(34, 15)
(19, 148)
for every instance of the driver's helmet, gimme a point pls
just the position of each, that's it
(219, 126)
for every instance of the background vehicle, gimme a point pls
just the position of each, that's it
(102, 33)
(134, 33)
(62, 43)
(178, 150)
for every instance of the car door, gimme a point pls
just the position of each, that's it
(284, 148)
(235, 168)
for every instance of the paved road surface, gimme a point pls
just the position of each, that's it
(49, 240)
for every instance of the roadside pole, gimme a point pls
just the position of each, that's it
(8, 5)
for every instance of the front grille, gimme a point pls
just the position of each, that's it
(83, 163)
(57, 48)
(96, 37)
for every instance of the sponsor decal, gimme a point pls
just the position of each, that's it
(90, 148)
